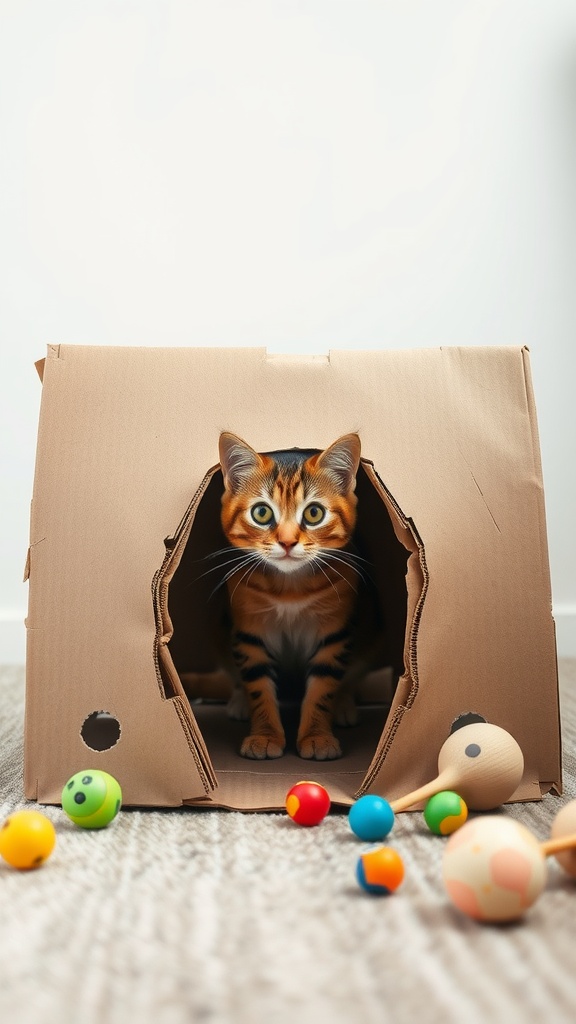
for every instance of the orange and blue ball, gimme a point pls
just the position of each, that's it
(445, 813)
(371, 818)
(307, 803)
(380, 871)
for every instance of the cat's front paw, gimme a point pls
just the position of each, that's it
(319, 747)
(260, 747)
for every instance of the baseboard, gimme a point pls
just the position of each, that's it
(12, 637)
(13, 634)
(565, 618)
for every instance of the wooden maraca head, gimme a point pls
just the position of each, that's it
(494, 869)
(482, 763)
(485, 765)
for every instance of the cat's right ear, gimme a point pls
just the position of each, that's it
(237, 459)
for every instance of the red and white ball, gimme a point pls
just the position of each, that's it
(307, 803)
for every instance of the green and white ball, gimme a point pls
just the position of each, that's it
(92, 798)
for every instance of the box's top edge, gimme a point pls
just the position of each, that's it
(61, 351)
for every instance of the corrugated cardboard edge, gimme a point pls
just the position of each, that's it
(545, 787)
(417, 586)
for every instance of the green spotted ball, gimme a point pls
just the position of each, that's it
(92, 798)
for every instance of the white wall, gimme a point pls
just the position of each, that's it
(303, 175)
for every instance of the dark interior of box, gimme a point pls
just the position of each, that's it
(197, 606)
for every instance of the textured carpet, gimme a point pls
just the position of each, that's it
(174, 916)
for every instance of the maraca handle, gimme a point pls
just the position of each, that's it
(424, 793)
(552, 846)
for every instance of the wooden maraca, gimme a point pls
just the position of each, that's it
(563, 829)
(494, 868)
(481, 762)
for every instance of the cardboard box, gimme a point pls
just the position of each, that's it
(126, 504)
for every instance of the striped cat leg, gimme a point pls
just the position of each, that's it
(238, 707)
(256, 670)
(325, 674)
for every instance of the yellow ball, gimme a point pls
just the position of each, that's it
(27, 839)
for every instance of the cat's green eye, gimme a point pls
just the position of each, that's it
(314, 514)
(262, 514)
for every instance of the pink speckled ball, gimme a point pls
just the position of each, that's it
(494, 869)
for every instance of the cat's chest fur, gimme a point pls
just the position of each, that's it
(293, 619)
(291, 628)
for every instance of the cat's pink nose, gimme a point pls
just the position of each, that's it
(288, 545)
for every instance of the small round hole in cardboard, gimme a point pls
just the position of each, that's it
(100, 731)
(468, 718)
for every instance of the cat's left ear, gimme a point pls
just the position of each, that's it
(237, 459)
(341, 460)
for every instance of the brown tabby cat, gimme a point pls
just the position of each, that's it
(293, 588)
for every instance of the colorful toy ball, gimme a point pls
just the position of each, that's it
(307, 803)
(371, 818)
(92, 798)
(27, 839)
(445, 812)
(494, 869)
(380, 871)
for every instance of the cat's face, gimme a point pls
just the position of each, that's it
(289, 507)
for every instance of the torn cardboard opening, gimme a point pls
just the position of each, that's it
(189, 608)
(121, 667)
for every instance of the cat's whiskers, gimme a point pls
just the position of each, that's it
(337, 556)
(221, 551)
(352, 556)
(255, 557)
(262, 561)
(248, 559)
(238, 558)
(320, 558)
(237, 565)
(317, 561)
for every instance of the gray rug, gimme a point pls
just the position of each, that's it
(195, 915)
